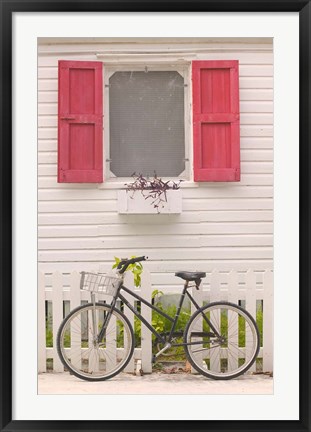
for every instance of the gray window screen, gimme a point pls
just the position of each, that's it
(146, 116)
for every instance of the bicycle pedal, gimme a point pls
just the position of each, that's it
(153, 359)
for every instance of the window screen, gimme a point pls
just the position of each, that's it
(146, 117)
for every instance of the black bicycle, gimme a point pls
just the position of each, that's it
(96, 341)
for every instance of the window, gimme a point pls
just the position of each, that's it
(146, 123)
(147, 117)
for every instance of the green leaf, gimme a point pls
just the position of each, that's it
(135, 268)
(136, 271)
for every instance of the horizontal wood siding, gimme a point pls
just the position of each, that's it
(222, 226)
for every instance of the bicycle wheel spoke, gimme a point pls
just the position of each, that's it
(205, 349)
(215, 360)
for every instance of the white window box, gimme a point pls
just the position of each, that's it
(135, 203)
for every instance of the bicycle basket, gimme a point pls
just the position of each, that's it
(99, 282)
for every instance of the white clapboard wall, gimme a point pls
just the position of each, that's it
(222, 226)
(62, 293)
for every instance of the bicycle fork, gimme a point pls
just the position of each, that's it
(93, 300)
(102, 331)
(97, 338)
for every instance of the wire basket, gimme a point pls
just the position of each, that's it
(99, 282)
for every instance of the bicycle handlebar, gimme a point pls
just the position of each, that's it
(123, 265)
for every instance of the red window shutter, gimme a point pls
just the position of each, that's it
(80, 122)
(216, 121)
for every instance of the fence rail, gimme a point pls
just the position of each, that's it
(58, 294)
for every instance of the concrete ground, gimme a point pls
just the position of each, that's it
(155, 383)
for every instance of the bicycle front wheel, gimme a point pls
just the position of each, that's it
(222, 340)
(81, 352)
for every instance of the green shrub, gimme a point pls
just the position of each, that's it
(48, 337)
(259, 320)
(163, 325)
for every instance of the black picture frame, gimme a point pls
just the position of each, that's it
(8, 7)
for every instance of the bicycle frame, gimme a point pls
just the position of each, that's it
(167, 342)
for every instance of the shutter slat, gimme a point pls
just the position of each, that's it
(216, 121)
(80, 122)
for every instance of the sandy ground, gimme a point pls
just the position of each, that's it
(155, 383)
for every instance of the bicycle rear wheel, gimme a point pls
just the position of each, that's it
(83, 355)
(231, 353)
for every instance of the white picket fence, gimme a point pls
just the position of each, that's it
(62, 292)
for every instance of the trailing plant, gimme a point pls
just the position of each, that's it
(154, 189)
(136, 269)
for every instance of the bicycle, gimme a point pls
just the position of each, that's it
(96, 341)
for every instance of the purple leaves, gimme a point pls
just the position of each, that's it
(152, 189)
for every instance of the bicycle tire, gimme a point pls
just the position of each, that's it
(227, 359)
(85, 360)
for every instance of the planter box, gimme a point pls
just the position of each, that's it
(129, 203)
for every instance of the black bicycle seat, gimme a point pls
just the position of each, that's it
(191, 276)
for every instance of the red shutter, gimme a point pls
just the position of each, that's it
(80, 122)
(216, 121)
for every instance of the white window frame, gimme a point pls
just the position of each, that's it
(184, 69)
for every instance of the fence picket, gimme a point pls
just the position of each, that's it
(233, 287)
(233, 297)
(75, 301)
(75, 294)
(198, 325)
(111, 347)
(215, 286)
(57, 298)
(146, 337)
(41, 325)
(268, 322)
(130, 368)
(250, 299)
(215, 356)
